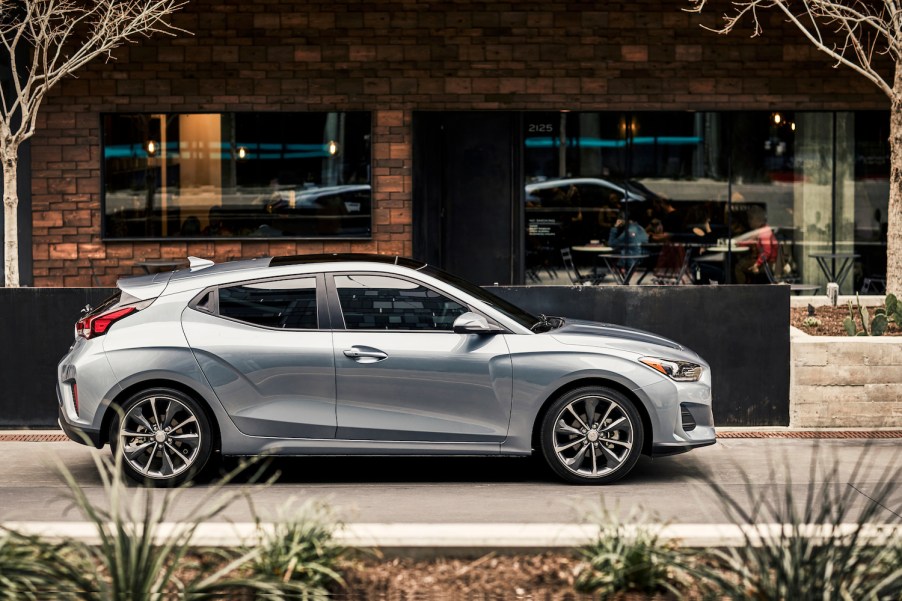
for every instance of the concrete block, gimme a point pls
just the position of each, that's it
(808, 353)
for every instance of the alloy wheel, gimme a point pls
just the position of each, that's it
(159, 437)
(593, 436)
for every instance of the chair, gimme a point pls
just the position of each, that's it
(572, 272)
(873, 285)
(672, 265)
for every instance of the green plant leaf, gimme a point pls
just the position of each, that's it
(892, 303)
(878, 326)
(849, 326)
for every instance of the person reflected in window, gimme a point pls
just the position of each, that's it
(665, 220)
(762, 244)
(627, 238)
(216, 225)
(699, 235)
(190, 227)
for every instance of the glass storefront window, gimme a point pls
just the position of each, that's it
(237, 175)
(781, 185)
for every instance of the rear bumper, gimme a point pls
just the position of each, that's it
(85, 436)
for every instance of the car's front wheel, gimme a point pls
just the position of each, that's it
(592, 435)
(163, 435)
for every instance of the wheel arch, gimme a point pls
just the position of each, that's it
(158, 382)
(597, 381)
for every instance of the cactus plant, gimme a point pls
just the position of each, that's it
(849, 324)
(878, 325)
(875, 326)
(893, 309)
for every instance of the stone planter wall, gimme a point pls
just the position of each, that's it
(845, 382)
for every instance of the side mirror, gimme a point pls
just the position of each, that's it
(473, 323)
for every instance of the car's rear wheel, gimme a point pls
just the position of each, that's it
(163, 436)
(592, 435)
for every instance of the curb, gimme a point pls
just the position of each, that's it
(473, 538)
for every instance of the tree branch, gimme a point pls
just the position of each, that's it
(862, 27)
(62, 37)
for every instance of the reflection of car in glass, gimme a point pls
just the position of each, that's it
(561, 213)
(367, 355)
(331, 210)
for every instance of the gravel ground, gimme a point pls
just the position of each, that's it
(547, 577)
(831, 321)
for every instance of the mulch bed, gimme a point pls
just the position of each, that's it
(831, 321)
(546, 577)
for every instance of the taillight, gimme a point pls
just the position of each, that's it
(97, 325)
(75, 397)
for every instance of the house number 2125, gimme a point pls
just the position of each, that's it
(540, 128)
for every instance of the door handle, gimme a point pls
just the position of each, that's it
(365, 356)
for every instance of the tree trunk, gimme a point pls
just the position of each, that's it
(10, 218)
(894, 217)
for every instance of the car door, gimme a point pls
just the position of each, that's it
(402, 373)
(261, 348)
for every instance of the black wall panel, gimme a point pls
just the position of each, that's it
(742, 331)
(39, 327)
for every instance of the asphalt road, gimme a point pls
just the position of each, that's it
(484, 490)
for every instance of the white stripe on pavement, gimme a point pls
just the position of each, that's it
(470, 535)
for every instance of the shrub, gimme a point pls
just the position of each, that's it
(136, 559)
(628, 557)
(299, 553)
(834, 544)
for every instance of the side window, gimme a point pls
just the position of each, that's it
(377, 302)
(287, 304)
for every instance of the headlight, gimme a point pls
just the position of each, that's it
(681, 371)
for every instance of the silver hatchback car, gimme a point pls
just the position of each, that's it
(366, 355)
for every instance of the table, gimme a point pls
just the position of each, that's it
(611, 260)
(592, 248)
(845, 266)
(597, 249)
(734, 248)
(160, 265)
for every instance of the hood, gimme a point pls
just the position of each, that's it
(592, 333)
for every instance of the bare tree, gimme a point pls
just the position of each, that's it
(46, 41)
(865, 36)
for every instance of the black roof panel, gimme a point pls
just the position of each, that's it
(345, 257)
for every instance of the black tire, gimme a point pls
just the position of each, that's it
(162, 457)
(575, 447)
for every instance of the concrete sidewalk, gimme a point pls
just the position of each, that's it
(472, 539)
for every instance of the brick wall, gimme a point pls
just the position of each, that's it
(393, 58)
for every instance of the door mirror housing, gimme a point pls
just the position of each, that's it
(474, 323)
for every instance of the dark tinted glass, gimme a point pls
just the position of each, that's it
(376, 302)
(228, 175)
(286, 304)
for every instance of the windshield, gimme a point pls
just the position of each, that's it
(524, 318)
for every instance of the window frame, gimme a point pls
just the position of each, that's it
(104, 237)
(323, 314)
(338, 319)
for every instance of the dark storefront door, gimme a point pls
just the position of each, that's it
(465, 199)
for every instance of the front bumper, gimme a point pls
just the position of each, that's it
(665, 449)
(79, 434)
